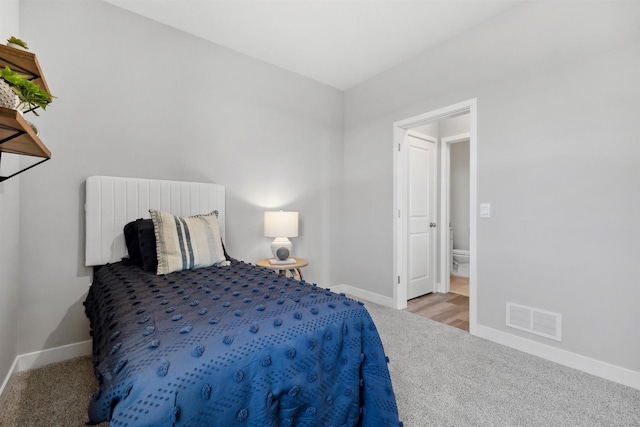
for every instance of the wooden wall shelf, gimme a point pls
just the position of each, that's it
(23, 62)
(16, 135)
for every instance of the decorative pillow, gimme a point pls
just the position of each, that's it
(185, 243)
(131, 239)
(147, 242)
(140, 238)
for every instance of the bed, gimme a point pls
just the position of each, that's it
(227, 345)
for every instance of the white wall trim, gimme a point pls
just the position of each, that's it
(445, 206)
(24, 362)
(364, 294)
(53, 355)
(8, 381)
(465, 136)
(399, 201)
(586, 364)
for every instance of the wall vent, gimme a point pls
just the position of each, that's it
(534, 320)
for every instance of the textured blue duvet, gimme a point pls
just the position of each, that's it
(233, 346)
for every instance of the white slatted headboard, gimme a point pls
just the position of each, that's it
(112, 202)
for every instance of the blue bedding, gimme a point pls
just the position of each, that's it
(233, 346)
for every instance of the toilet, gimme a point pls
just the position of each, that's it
(460, 262)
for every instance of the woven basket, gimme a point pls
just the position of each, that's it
(8, 97)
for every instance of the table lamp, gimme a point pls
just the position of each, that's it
(281, 225)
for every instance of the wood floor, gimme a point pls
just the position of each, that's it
(451, 309)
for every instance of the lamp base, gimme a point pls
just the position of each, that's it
(280, 242)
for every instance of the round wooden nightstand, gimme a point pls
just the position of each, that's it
(283, 268)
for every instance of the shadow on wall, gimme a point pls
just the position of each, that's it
(73, 319)
(82, 270)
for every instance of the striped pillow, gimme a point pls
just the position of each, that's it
(185, 243)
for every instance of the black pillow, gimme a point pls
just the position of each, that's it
(147, 242)
(141, 244)
(133, 245)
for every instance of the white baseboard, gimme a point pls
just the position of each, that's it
(53, 355)
(37, 359)
(364, 294)
(8, 381)
(586, 364)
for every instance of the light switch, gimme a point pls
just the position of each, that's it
(485, 210)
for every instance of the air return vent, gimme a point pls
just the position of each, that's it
(534, 320)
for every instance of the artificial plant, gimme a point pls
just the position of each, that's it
(17, 41)
(31, 95)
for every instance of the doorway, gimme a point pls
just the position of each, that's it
(402, 196)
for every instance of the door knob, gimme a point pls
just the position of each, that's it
(432, 224)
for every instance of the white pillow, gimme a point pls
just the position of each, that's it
(185, 243)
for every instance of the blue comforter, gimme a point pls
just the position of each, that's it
(233, 346)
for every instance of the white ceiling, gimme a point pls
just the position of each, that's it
(337, 42)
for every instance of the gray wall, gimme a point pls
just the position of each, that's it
(558, 153)
(459, 214)
(557, 90)
(136, 98)
(9, 228)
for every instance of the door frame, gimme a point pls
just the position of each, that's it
(445, 207)
(400, 261)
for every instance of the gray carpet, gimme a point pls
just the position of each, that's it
(442, 376)
(55, 395)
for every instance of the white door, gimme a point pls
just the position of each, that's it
(421, 231)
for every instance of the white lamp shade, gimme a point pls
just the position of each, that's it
(281, 224)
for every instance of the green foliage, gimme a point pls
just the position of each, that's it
(30, 94)
(17, 41)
